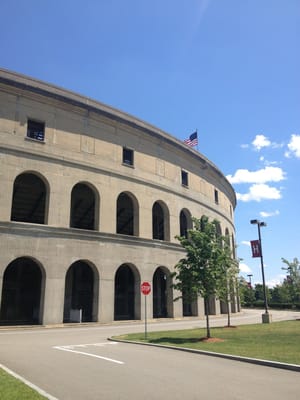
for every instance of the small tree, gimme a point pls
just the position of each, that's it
(246, 292)
(292, 281)
(199, 273)
(227, 282)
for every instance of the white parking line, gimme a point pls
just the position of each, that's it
(70, 348)
(31, 385)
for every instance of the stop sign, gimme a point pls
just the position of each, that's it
(145, 288)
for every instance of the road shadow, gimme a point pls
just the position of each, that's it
(175, 340)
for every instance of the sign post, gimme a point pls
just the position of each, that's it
(146, 289)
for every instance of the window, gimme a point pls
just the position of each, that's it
(216, 197)
(127, 156)
(184, 178)
(36, 130)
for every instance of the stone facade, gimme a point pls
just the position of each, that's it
(91, 201)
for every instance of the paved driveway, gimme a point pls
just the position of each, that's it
(79, 363)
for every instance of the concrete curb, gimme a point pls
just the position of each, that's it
(257, 361)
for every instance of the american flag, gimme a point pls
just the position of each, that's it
(192, 140)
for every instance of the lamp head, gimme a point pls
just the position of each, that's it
(254, 221)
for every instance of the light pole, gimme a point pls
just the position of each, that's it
(250, 276)
(266, 317)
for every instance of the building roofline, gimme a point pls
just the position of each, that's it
(33, 85)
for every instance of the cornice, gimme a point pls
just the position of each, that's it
(31, 85)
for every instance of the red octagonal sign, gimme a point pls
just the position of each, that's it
(145, 288)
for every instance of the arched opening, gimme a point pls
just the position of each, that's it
(185, 222)
(211, 306)
(81, 293)
(127, 215)
(127, 294)
(160, 221)
(218, 229)
(29, 199)
(21, 294)
(189, 307)
(162, 294)
(233, 246)
(84, 203)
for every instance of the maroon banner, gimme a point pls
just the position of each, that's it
(255, 246)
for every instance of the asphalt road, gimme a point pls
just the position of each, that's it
(79, 363)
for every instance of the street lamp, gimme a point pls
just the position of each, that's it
(266, 318)
(250, 276)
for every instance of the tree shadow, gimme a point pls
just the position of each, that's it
(176, 340)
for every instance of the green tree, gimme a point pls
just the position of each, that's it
(246, 292)
(281, 293)
(200, 272)
(292, 280)
(230, 270)
(259, 292)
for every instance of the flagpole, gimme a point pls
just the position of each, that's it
(197, 140)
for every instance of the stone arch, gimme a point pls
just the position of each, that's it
(162, 293)
(23, 292)
(127, 214)
(218, 229)
(127, 296)
(30, 198)
(233, 246)
(185, 222)
(84, 206)
(160, 221)
(81, 292)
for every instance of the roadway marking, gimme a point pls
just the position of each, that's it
(71, 348)
(31, 385)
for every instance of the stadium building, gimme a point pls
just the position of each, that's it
(91, 201)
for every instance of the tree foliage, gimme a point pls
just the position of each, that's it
(228, 278)
(292, 281)
(201, 272)
(286, 294)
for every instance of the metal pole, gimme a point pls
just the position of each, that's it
(145, 317)
(262, 270)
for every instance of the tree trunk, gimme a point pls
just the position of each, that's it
(207, 317)
(228, 314)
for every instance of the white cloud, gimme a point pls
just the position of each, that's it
(267, 174)
(245, 242)
(244, 268)
(258, 192)
(266, 214)
(277, 280)
(294, 147)
(261, 141)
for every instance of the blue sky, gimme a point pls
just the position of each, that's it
(229, 68)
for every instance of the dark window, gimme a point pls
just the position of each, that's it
(183, 221)
(184, 178)
(36, 130)
(83, 207)
(216, 197)
(29, 199)
(125, 215)
(127, 156)
(158, 222)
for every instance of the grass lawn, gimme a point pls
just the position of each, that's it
(278, 341)
(13, 389)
